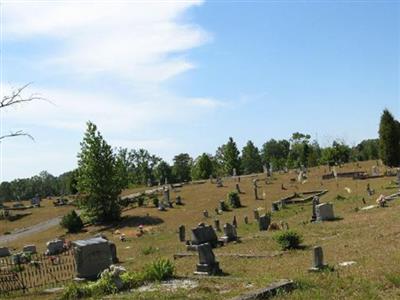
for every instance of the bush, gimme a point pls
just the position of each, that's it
(72, 222)
(288, 239)
(140, 201)
(160, 269)
(149, 250)
(155, 200)
(234, 199)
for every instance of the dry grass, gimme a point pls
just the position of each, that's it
(371, 238)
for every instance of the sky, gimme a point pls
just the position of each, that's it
(183, 76)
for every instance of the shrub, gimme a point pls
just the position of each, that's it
(155, 200)
(132, 280)
(288, 239)
(234, 199)
(160, 269)
(140, 201)
(72, 222)
(149, 250)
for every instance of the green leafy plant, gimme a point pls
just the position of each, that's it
(234, 199)
(288, 239)
(160, 269)
(149, 250)
(72, 222)
(155, 200)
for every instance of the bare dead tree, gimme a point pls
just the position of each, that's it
(16, 98)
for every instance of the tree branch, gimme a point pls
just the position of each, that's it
(17, 133)
(16, 97)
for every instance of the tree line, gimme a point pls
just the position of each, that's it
(138, 167)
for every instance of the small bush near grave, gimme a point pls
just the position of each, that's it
(149, 250)
(340, 197)
(72, 222)
(288, 239)
(160, 269)
(234, 199)
(155, 200)
(140, 201)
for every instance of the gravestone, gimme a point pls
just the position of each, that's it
(318, 259)
(375, 171)
(238, 178)
(216, 211)
(178, 200)
(219, 183)
(170, 205)
(207, 264)
(238, 188)
(324, 212)
(205, 213)
(161, 206)
(92, 256)
(234, 172)
(113, 249)
(246, 220)
(4, 251)
(204, 234)
(35, 201)
(263, 222)
(29, 248)
(315, 202)
(217, 225)
(166, 195)
(54, 247)
(230, 233)
(234, 222)
(255, 193)
(182, 233)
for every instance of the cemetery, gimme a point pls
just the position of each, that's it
(235, 248)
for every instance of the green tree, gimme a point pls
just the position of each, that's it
(182, 167)
(275, 153)
(299, 150)
(98, 181)
(228, 157)
(163, 171)
(203, 167)
(389, 139)
(367, 150)
(142, 165)
(251, 159)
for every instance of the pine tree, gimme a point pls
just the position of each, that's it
(251, 159)
(203, 167)
(228, 155)
(389, 140)
(98, 182)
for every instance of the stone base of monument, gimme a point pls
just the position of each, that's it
(318, 269)
(204, 269)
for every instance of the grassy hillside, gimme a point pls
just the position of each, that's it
(370, 238)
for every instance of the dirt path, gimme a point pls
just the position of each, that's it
(26, 231)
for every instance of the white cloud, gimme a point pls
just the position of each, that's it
(142, 41)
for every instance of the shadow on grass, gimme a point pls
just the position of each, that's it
(132, 221)
(17, 217)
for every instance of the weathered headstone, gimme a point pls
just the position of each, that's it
(255, 192)
(4, 251)
(178, 200)
(234, 222)
(29, 248)
(324, 212)
(54, 247)
(318, 259)
(113, 249)
(263, 222)
(238, 188)
(182, 233)
(219, 183)
(230, 233)
(205, 213)
(166, 195)
(92, 256)
(204, 234)
(246, 220)
(207, 264)
(217, 225)
(216, 211)
(315, 202)
(234, 172)
(161, 206)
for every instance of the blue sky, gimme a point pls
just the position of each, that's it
(183, 76)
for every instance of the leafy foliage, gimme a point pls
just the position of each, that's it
(182, 167)
(98, 181)
(203, 167)
(234, 199)
(389, 139)
(288, 239)
(251, 159)
(228, 157)
(160, 269)
(72, 222)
